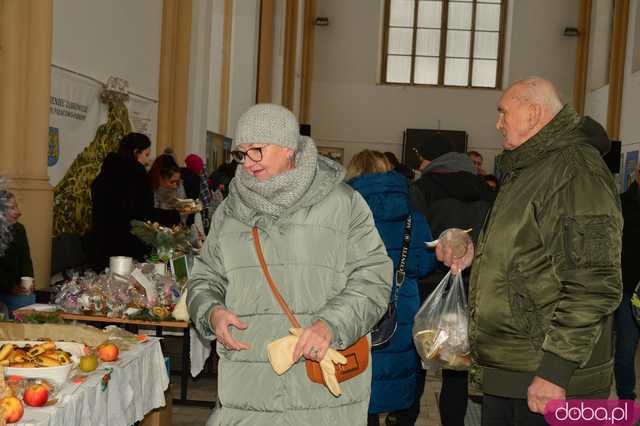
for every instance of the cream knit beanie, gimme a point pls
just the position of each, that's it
(269, 124)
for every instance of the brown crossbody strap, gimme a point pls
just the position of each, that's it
(274, 289)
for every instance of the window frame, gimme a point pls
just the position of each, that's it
(443, 46)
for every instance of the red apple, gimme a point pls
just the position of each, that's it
(36, 395)
(11, 408)
(108, 352)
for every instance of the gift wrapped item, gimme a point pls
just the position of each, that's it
(440, 330)
(68, 297)
(115, 297)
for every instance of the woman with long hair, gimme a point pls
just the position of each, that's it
(395, 364)
(121, 193)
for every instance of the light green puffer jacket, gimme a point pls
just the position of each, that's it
(329, 263)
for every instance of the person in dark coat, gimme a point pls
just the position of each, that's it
(121, 193)
(451, 195)
(191, 182)
(395, 365)
(627, 330)
(196, 187)
(16, 262)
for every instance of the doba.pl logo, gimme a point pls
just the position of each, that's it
(592, 412)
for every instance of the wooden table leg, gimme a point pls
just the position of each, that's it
(160, 416)
(184, 380)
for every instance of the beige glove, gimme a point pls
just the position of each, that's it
(280, 356)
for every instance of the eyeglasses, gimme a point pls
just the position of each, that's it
(254, 154)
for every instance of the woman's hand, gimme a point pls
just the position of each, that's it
(221, 319)
(314, 342)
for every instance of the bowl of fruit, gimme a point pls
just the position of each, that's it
(40, 359)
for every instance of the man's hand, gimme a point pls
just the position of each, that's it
(542, 391)
(445, 255)
(221, 319)
(314, 342)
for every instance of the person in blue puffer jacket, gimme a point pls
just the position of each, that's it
(395, 364)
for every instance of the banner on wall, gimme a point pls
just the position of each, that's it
(75, 112)
(143, 116)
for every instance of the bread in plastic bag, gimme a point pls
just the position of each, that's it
(440, 329)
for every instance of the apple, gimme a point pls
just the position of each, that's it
(108, 352)
(11, 408)
(36, 395)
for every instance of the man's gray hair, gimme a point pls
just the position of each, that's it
(539, 91)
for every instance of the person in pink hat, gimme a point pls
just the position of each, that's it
(196, 186)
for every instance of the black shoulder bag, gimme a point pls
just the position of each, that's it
(386, 327)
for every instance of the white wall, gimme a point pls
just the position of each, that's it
(596, 104)
(629, 123)
(244, 60)
(198, 100)
(215, 66)
(244, 57)
(277, 70)
(103, 38)
(350, 110)
(297, 78)
(597, 100)
(538, 46)
(600, 44)
(98, 39)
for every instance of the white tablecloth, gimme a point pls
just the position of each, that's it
(137, 384)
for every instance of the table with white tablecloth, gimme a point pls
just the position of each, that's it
(118, 393)
(198, 348)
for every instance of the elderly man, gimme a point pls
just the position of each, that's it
(546, 276)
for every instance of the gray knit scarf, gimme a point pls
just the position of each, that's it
(277, 194)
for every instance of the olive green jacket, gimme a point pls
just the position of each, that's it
(546, 277)
(329, 263)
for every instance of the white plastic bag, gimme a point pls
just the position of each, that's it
(440, 329)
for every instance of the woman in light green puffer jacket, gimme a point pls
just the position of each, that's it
(326, 257)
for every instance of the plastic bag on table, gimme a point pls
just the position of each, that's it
(440, 329)
(19, 384)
